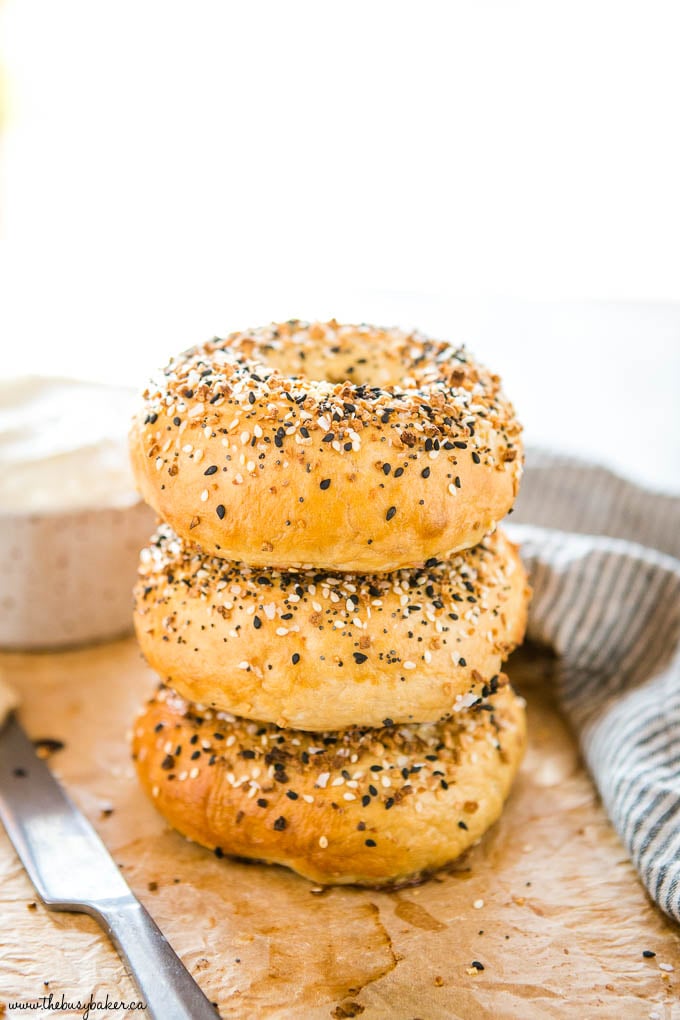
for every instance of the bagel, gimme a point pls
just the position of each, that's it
(346, 448)
(360, 806)
(318, 652)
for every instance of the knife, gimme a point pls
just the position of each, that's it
(71, 869)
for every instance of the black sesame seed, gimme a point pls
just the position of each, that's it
(386, 469)
(212, 470)
(176, 421)
(477, 965)
(359, 657)
(295, 658)
(325, 483)
(220, 511)
(462, 825)
(291, 794)
(251, 397)
(328, 438)
(398, 473)
(460, 445)
(257, 622)
(425, 473)
(365, 800)
(390, 513)
(280, 823)
(389, 803)
(262, 802)
(371, 842)
(219, 852)
(373, 790)
(476, 458)
(168, 763)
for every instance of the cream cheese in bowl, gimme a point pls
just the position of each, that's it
(71, 523)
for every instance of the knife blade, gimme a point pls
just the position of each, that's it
(71, 869)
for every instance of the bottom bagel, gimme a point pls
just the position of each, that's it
(358, 806)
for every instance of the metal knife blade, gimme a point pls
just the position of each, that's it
(71, 869)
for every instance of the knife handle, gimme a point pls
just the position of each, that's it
(166, 985)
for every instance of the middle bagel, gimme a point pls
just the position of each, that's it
(315, 651)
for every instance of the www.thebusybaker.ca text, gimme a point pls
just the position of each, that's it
(83, 1006)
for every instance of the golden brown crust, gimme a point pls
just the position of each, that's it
(418, 456)
(318, 651)
(362, 806)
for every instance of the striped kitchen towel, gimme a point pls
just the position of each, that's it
(604, 562)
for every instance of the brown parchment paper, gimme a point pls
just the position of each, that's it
(561, 931)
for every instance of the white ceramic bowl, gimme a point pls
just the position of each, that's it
(66, 578)
(71, 525)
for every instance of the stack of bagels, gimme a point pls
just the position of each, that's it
(328, 601)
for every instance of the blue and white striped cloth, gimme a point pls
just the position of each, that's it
(604, 562)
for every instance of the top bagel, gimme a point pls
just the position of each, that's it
(340, 447)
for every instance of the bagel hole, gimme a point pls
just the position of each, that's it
(360, 364)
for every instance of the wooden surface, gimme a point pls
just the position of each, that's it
(561, 931)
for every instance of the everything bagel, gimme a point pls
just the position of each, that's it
(336, 447)
(359, 806)
(317, 651)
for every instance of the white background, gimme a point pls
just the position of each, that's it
(507, 173)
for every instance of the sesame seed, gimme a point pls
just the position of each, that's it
(323, 842)
(390, 513)
(325, 483)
